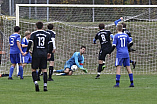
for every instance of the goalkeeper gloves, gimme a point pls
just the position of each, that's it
(84, 69)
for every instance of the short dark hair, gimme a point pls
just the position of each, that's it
(39, 25)
(17, 29)
(83, 47)
(124, 25)
(119, 27)
(50, 26)
(101, 26)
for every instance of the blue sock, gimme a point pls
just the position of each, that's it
(11, 71)
(117, 79)
(21, 71)
(131, 79)
(60, 71)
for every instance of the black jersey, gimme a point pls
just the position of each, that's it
(126, 32)
(52, 33)
(41, 39)
(104, 38)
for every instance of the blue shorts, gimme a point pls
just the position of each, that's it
(15, 58)
(67, 65)
(27, 59)
(124, 61)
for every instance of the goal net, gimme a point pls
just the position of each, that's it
(77, 25)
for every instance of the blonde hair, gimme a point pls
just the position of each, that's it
(27, 33)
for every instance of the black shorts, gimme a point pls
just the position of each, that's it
(52, 58)
(103, 53)
(39, 62)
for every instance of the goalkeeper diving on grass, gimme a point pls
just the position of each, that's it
(76, 59)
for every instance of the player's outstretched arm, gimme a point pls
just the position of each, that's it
(116, 22)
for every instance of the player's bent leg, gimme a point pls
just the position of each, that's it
(100, 68)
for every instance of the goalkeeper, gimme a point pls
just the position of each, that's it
(74, 60)
(129, 34)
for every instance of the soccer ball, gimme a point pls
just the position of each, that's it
(74, 67)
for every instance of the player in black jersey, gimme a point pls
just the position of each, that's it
(42, 47)
(51, 60)
(104, 38)
(129, 34)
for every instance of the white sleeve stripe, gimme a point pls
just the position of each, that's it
(113, 44)
(53, 40)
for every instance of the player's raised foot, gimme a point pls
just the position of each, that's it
(45, 88)
(115, 86)
(10, 78)
(134, 64)
(131, 86)
(36, 87)
(50, 79)
(103, 67)
(97, 77)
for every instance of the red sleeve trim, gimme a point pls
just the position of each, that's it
(81, 64)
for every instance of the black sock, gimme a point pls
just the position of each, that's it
(39, 72)
(34, 76)
(100, 67)
(50, 71)
(45, 77)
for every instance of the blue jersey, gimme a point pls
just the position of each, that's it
(76, 59)
(24, 42)
(13, 39)
(120, 41)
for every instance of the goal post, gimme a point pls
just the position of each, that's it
(74, 27)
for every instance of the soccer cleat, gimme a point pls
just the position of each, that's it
(134, 64)
(21, 78)
(103, 67)
(10, 78)
(97, 77)
(131, 86)
(116, 86)
(36, 87)
(45, 88)
(50, 79)
(85, 70)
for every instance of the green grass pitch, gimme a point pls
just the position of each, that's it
(80, 89)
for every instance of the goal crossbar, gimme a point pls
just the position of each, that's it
(77, 6)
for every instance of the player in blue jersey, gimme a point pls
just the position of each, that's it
(76, 59)
(51, 60)
(104, 38)
(122, 42)
(27, 58)
(15, 52)
(42, 47)
(129, 34)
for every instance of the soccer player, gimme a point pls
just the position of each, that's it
(42, 47)
(104, 38)
(51, 60)
(15, 52)
(121, 41)
(129, 34)
(27, 58)
(76, 59)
